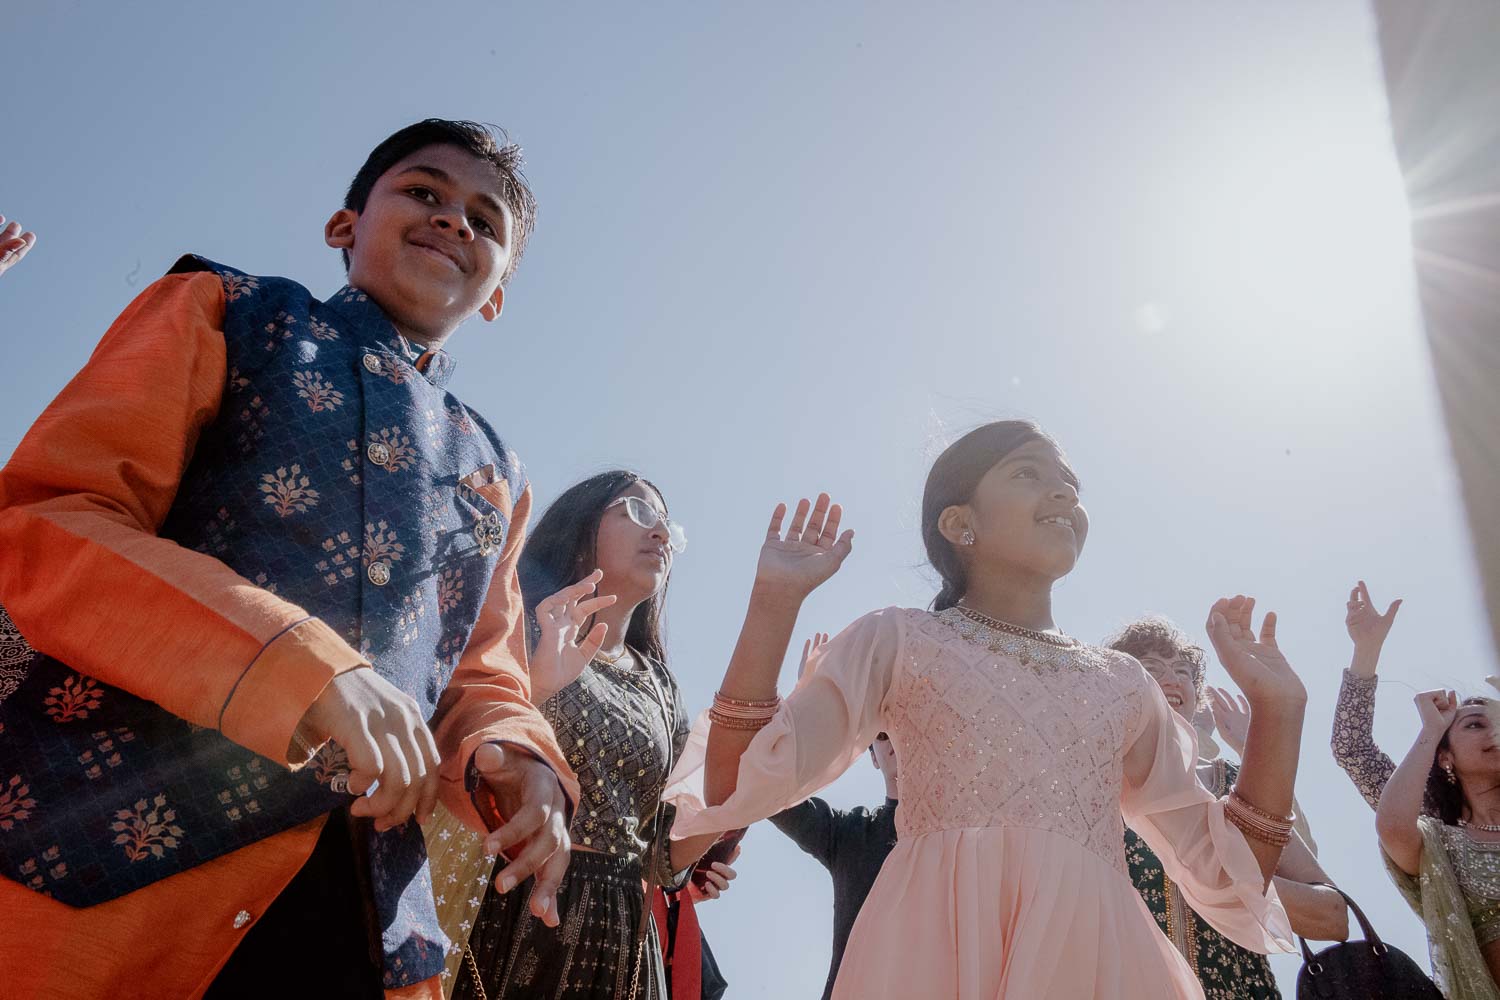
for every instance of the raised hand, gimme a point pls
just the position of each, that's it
(534, 812)
(1255, 664)
(14, 244)
(382, 730)
(1231, 717)
(810, 647)
(812, 550)
(1437, 710)
(1368, 627)
(561, 654)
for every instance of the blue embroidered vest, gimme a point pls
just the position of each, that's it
(339, 477)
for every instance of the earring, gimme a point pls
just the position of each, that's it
(1448, 770)
(967, 538)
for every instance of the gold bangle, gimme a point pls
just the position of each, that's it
(1277, 833)
(721, 698)
(729, 722)
(1234, 793)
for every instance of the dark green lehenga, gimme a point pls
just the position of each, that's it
(1226, 970)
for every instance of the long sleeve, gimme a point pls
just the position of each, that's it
(1353, 741)
(488, 698)
(812, 825)
(821, 728)
(1185, 826)
(82, 570)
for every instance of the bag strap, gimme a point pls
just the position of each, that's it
(1378, 946)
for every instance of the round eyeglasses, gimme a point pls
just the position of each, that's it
(647, 516)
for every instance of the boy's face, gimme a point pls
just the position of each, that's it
(432, 242)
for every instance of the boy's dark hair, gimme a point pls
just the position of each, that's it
(1155, 634)
(560, 551)
(486, 142)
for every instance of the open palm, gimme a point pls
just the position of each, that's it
(811, 551)
(1368, 627)
(1255, 663)
(561, 653)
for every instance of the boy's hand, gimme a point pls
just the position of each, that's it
(794, 566)
(14, 244)
(387, 740)
(535, 810)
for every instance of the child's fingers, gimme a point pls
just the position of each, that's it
(432, 785)
(384, 805)
(831, 526)
(1268, 629)
(815, 523)
(548, 879)
(594, 641)
(799, 517)
(773, 533)
(579, 590)
(583, 610)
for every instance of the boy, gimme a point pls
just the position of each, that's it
(271, 565)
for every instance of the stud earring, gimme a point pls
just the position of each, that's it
(967, 538)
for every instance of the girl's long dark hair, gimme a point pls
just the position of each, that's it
(560, 551)
(953, 479)
(1444, 798)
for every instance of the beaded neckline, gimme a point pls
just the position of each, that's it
(1045, 655)
(1054, 639)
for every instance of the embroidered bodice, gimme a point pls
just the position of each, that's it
(998, 730)
(1477, 865)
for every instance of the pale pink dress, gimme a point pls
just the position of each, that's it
(1008, 878)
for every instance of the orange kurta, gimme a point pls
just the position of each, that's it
(88, 581)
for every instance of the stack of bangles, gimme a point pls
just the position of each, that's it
(732, 713)
(1256, 823)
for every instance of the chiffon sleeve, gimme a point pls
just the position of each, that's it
(822, 727)
(1185, 825)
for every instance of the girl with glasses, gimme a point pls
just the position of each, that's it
(594, 578)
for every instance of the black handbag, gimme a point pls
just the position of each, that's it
(1362, 970)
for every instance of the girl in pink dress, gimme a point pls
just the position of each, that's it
(1021, 750)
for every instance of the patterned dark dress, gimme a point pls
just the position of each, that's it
(1226, 970)
(621, 729)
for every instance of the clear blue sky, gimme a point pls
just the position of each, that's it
(793, 247)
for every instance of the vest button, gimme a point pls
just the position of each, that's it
(379, 574)
(241, 919)
(372, 364)
(379, 452)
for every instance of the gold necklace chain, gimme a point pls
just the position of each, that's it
(1046, 638)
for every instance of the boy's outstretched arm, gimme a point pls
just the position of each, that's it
(83, 572)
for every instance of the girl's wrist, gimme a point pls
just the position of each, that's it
(777, 597)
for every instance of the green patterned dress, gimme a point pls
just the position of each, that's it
(1226, 970)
